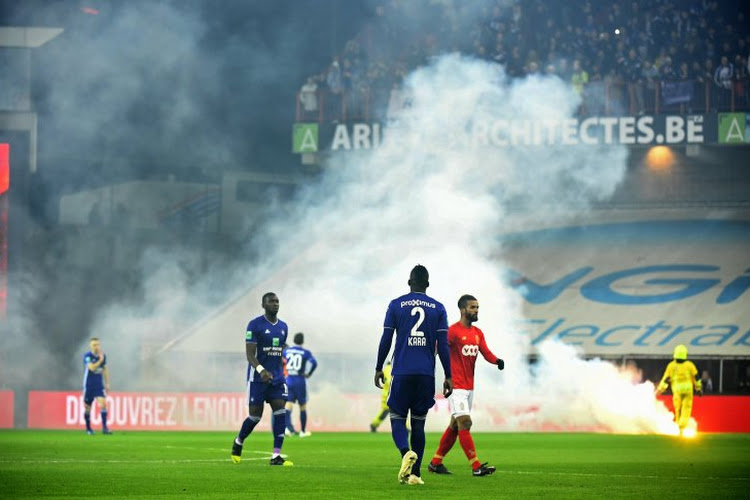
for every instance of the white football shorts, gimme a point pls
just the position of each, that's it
(460, 402)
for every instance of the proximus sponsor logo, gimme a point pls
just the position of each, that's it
(417, 302)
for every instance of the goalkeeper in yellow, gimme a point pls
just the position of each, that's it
(383, 398)
(682, 377)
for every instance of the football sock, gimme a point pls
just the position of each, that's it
(247, 427)
(289, 425)
(399, 432)
(446, 443)
(417, 441)
(303, 419)
(104, 419)
(87, 418)
(379, 419)
(467, 443)
(277, 425)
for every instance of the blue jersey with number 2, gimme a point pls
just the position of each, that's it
(418, 321)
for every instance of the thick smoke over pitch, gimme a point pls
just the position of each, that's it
(431, 194)
(142, 91)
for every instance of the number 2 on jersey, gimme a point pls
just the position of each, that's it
(415, 331)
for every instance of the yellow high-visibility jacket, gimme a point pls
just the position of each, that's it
(681, 378)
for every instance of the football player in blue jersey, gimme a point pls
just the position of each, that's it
(421, 326)
(296, 359)
(95, 384)
(264, 341)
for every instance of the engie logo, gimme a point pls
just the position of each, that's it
(603, 288)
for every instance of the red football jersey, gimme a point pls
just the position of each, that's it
(465, 344)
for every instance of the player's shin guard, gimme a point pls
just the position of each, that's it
(247, 427)
(278, 424)
(399, 432)
(467, 443)
(417, 441)
(303, 420)
(447, 441)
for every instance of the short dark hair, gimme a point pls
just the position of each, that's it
(419, 276)
(299, 338)
(265, 296)
(464, 300)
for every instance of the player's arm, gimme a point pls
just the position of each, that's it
(697, 384)
(93, 366)
(385, 347)
(313, 365)
(487, 354)
(445, 359)
(664, 383)
(251, 352)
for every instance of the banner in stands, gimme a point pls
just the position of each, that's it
(636, 288)
(645, 130)
(6, 409)
(352, 412)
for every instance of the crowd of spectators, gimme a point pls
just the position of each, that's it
(625, 57)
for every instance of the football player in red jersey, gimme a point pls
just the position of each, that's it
(466, 343)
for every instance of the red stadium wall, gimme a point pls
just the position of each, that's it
(225, 411)
(6, 409)
(719, 413)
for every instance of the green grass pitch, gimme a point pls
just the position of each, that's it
(67, 464)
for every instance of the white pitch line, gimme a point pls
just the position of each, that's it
(312, 466)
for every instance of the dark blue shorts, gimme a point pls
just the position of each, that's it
(297, 390)
(91, 393)
(264, 392)
(411, 392)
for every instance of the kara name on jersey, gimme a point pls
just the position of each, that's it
(417, 341)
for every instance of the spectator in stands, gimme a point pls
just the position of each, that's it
(308, 98)
(740, 79)
(723, 80)
(706, 382)
(335, 85)
(633, 73)
(724, 74)
(666, 70)
(579, 77)
(649, 75)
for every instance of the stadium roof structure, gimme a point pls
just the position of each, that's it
(26, 36)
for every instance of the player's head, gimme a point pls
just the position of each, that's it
(469, 307)
(299, 338)
(680, 353)
(94, 344)
(419, 278)
(270, 303)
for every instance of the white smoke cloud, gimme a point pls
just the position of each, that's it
(435, 194)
